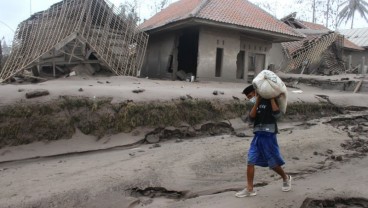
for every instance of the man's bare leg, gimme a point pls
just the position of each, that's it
(280, 171)
(250, 177)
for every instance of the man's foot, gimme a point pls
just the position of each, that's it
(245, 193)
(286, 185)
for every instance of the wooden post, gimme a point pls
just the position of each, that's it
(349, 62)
(362, 65)
(358, 86)
(175, 57)
(53, 63)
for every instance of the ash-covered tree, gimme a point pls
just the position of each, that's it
(158, 5)
(349, 8)
(313, 10)
(128, 11)
(1, 56)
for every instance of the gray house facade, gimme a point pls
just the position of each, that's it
(212, 40)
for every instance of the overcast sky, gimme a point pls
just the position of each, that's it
(12, 12)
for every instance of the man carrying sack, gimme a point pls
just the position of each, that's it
(264, 150)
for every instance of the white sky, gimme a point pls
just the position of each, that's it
(12, 12)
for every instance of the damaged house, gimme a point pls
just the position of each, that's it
(358, 59)
(320, 52)
(89, 35)
(212, 40)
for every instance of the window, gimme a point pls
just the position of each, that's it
(240, 65)
(219, 57)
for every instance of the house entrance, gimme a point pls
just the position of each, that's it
(188, 51)
(256, 63)
(240, 61)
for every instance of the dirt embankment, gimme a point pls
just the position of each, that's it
(24, 123)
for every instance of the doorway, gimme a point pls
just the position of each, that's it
(256, 63)
(188, 51)
(240, 61)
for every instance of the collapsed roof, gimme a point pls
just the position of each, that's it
(74, 32)
(320, 52)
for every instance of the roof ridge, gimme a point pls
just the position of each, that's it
(198, 9)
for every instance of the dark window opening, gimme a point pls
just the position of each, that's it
(92, 57)
(240, 65)
(188, 51)
(219, 57)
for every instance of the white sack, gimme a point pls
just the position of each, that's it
(268, 85)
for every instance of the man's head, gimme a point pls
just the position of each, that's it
(249, 91)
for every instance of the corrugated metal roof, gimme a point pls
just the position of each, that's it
(358, 36)
(235, 12)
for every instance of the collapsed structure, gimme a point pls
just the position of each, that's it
(91, 33)
(320, 52)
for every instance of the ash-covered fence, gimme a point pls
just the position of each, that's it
(91, 26)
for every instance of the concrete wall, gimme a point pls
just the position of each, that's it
(159, 49)
(161, 46)
(231, 42)
(357, 57)
(277, 56)
(209, 41)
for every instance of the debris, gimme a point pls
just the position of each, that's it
(358, 86)
(37, 93)
(215, 92)
(181, 75)
(297, 91)
(295, 158)
(132, 154)
(189, 97)
(156, 145)
(99, 82)
(72, 73)
(329, 151)
(152, 138)
(235, 98)
(108, 82)
(317, 53)
(138, 91)
(241, 134)
(20, 90)
(339, 158)
(80, 90)
(183, 98)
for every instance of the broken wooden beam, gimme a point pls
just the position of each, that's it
(37, 93)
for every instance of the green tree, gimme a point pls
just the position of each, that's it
(350, 7)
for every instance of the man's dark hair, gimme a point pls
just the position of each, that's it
(248, 90)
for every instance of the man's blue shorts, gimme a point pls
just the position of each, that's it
(264, 151)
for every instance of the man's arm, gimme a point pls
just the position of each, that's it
(253, 112)
(275, 108)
